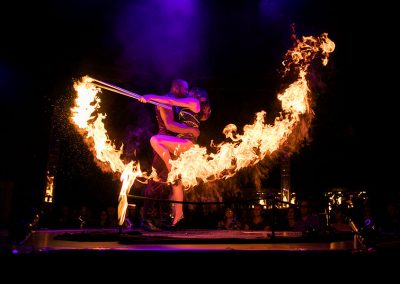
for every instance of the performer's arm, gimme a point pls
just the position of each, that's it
(176, 127)
(192, 103)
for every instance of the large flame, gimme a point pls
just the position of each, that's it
(196, 164)
(258, 139)
(92, 126)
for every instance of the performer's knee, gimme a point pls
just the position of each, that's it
(155, 141)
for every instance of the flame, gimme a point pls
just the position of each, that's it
(48, 196)
(258, 139)
(92, 126)
(305, 51)
(196, 164)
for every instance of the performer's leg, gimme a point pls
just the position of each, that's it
(152, 191)
(165, 207)
(164, 145)
(164, 192)
(161, 150)
(147, 222)
(177, 195)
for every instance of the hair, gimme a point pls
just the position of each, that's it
(205, 106)
(178, 82)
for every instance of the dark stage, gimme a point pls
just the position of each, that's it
(205, 251)
(193, 240)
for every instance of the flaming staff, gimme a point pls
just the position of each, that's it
(116, 89)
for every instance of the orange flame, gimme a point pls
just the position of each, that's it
(48, 196)
(258, 139)
(305, 50)
(91, 125)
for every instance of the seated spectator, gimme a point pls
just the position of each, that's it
(229, 222)
(339, 222)
(308, 222)
(257, 221)
(103, 221)
(82, 218)
(290, 220)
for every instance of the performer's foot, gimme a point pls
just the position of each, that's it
(179, 225)
(177, 221)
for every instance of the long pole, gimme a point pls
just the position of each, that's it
(124, 92)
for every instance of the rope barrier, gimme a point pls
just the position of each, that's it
(273, 198)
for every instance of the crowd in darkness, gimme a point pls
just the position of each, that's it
(306, 216)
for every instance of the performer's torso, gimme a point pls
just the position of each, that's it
(188, 117)
(181, 114)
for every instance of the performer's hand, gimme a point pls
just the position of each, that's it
(145, 98)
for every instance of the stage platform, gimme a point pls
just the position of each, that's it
(109, 240)
(193, 249)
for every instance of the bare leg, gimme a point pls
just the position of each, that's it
(164, 145)
(177, 195)
(161, 150)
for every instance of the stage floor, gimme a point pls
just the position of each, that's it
(44, 241)
(203, 252)
(191, 249)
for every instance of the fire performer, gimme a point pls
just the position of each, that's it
(168, 126)
(190, 111)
